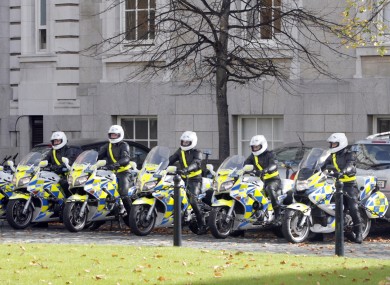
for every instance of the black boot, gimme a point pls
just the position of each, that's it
(358, 233)
(278, 215)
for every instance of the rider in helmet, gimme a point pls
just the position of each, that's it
(344, 161)
(190, 160)
(266, 167)
(59, 150)
(117, 154)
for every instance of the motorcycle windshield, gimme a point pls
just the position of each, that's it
(314, 159)
(31, 159)
(88, 157)
(157, 159)
(234, 162)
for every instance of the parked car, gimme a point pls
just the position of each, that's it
(373, 158)
(290, 155)
(138, 151)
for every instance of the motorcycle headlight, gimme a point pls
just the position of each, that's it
(81, 180)
(14, 180)
(301, 185)
(24, 180)
(225, 186)
(149, 185)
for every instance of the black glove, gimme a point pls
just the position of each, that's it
(113, 166)
(258, 173)
(183, 171)
(56, 168)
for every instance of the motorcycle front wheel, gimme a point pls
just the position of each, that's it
(138, 222)
(15, 216)
(292, 229)
(72, 219)
(220, 225)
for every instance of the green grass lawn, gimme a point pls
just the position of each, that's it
(96, 264)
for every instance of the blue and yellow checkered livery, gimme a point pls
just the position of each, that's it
(376, 205)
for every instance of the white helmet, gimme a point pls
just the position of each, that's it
(115, 134)
(58, 136)
(188, 140)
(340, 141)
(258, 144)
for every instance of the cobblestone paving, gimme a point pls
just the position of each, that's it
(252, 242)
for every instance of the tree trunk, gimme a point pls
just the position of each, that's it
(221, 83)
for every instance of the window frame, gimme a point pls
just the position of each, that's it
(40, 27)
(134, 118)
(136, 41)
(273, 33)
(270, 141)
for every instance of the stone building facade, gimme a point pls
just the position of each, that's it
(46, 84)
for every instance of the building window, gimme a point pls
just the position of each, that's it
(267, 19)
(36, 130)
(270, 127)
(41, 25)
(139, 19)
(142, 130)
(386, 18)
(382, 125)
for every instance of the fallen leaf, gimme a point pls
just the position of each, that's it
(99, 277)
(114, 255)
(283, 262)
(217, 274)
(87, 270)
(190, 273)
(184, 263)
(161, 278)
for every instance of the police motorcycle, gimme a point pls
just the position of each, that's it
(38, 196)
(313, 210)
(154, 205)
(6, 187)
(240, 202)
(95, 198)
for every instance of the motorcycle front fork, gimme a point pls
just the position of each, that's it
(82, 210)
(27, 205)
(229, 214)
(151, 209)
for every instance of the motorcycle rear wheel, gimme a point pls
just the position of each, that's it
(72, 220)
(138, 223)
(291, 229)
(15, 216)
(219, 226)
(366, 226)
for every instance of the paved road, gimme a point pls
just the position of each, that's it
(377, 245)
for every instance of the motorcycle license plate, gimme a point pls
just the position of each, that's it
(381, 183)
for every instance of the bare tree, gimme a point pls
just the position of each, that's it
(221, 41)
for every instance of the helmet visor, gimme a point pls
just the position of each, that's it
(333, 144)
(256, 147)
(185, 143)
(113, 135)
(56, 142)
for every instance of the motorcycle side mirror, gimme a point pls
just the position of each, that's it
(10, 163)
(248, 168)
(133, 165)
(1, 168)
(100, 163)
(171, 169)
(43, 163)
(210, 169)
(65, 160)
